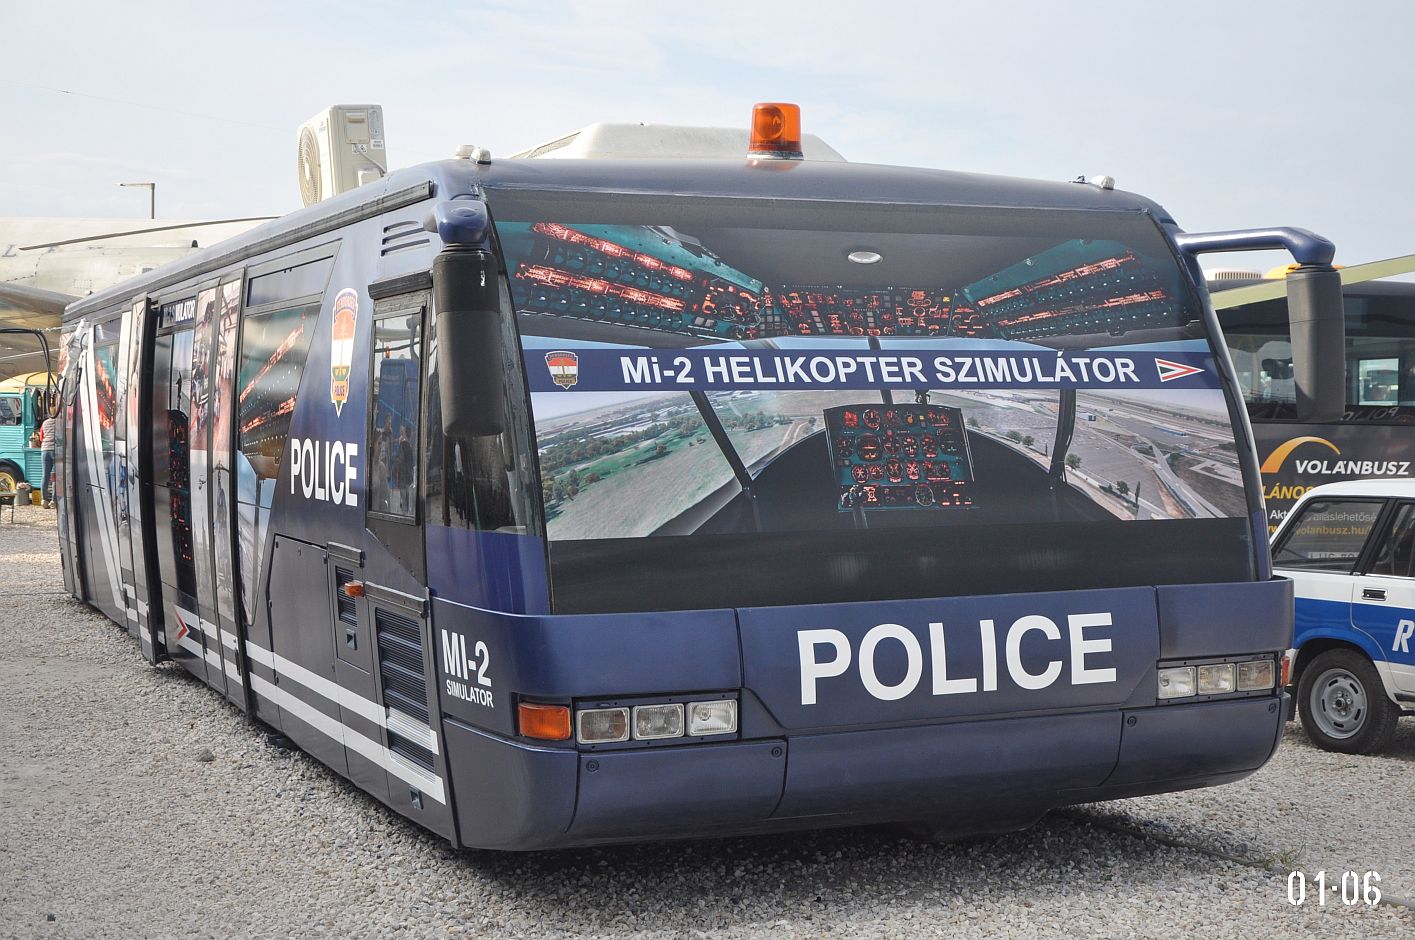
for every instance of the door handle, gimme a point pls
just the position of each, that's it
(1373, 594)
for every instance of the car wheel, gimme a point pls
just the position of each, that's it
(1344, 705)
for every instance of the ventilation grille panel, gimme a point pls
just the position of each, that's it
(400, 663)
(348, 607)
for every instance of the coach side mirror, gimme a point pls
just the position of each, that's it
(1317, 320)
(470, 342)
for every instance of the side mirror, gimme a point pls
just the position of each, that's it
(1315, 311)
(1317, 318)
(470, 341)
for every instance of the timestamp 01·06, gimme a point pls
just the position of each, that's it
(1352, 888)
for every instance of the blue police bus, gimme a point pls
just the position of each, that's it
(559, 502)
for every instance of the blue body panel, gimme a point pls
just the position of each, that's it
(490, 570)
(1002, 755)
(1315, 619)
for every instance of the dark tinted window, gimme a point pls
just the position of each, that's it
(1396, 554)
(172, 405)
(393, 437)
(481, 482)
(273, 350)
(1327, 536)
(11, 413)
(289, 284)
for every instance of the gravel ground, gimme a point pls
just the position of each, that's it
(134, 803)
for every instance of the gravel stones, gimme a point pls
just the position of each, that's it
(112, 824)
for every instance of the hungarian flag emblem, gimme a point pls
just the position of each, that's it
(564, 368)
(1169, 371)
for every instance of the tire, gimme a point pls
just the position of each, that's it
(10, 478)
(1343, 704)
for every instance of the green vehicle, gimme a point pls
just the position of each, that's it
(24, 403)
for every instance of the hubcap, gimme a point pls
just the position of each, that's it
(1338, 703)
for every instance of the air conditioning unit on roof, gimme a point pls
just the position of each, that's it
(341, 148)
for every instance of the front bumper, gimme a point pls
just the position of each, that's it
(968, 776)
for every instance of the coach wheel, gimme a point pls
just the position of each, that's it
(1344, 705)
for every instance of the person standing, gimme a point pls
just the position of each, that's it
(46, 451)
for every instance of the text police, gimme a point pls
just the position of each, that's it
(951, 678)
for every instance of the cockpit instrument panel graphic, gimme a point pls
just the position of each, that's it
(899, 456)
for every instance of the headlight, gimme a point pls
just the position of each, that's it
(712, 717)
(602, 725)
(1216, 679)
(1177, 682)
(658, 721)
(1256, 675)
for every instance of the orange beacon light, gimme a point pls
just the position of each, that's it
(776, 130)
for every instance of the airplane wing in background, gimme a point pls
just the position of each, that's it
(26, 308)
(31, 301)
(1254, 292)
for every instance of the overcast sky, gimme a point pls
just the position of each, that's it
(1232, 114)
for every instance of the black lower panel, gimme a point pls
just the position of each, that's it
(778, 568)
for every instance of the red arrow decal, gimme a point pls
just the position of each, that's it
(1174, 370)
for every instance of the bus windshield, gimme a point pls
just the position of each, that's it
(874, 391)
(1380, 354)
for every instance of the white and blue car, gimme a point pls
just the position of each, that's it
(1349, 548)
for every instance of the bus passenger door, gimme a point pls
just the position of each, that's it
(1383, 599)
(126, 356)
(223, 494)
(171, 379)
(97, 467)
(65, 447)
(136, 534)
(396, 626)
(199, 455)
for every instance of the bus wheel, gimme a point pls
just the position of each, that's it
(1344, 705)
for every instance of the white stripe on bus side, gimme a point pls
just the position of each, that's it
(370, 711)
(428, 784)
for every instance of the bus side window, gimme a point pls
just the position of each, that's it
(11, 413)
(482, 482)
(396, 403)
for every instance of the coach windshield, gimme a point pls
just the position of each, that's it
(740, 402)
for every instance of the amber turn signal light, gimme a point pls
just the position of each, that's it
(776, 129)
(544, 722)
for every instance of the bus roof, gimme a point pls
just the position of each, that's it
(802, 180)
(1380, 288)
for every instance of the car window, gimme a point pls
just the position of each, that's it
(1395, 555)
(1327, 536)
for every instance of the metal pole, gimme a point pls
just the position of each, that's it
(151, 197)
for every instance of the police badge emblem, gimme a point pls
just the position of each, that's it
(564, 368)
(341, 346)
